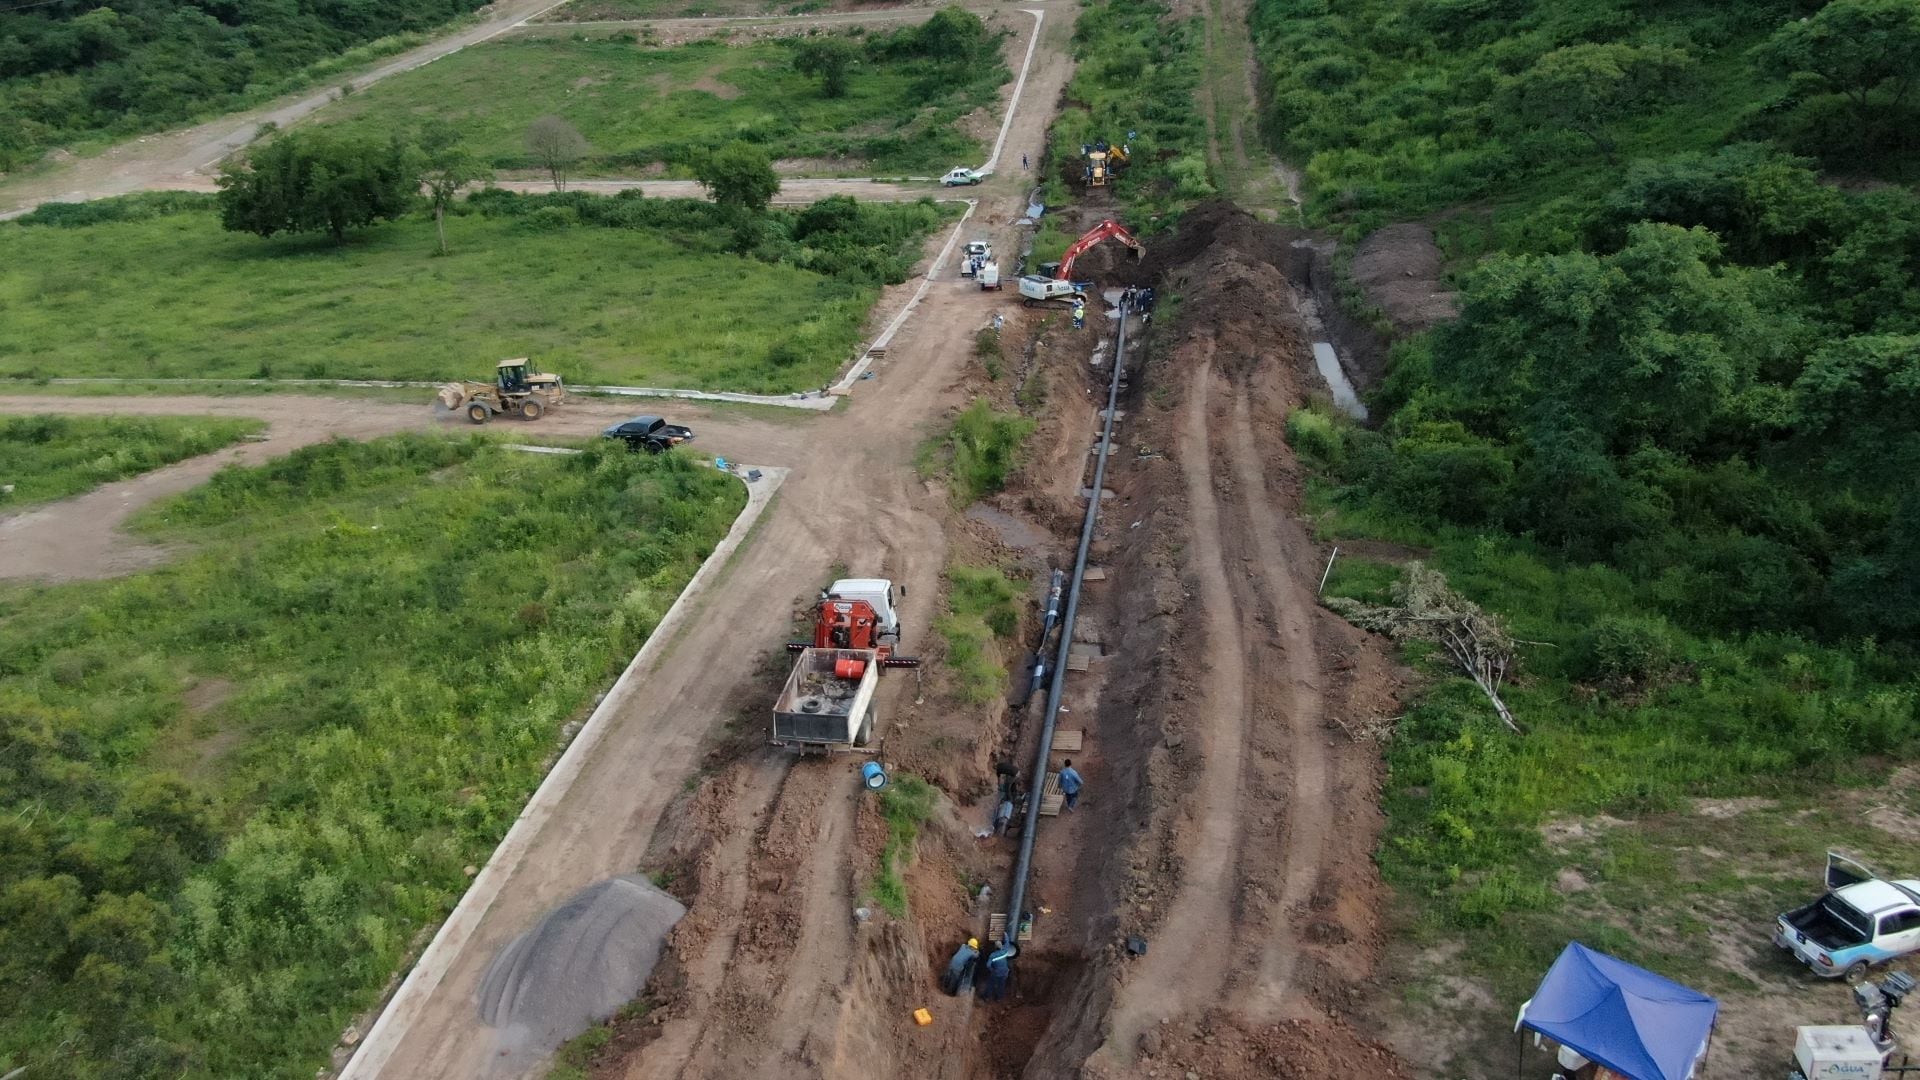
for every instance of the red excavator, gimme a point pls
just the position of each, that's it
(1107, 228)
(1038, 289)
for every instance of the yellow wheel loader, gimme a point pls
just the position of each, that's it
(516, 390)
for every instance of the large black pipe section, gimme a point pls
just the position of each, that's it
(1017, 895)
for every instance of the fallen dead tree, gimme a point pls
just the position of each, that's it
(1425, 608)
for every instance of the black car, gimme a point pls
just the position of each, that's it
(649, 433)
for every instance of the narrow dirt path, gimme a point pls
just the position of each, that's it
(1194, 951)
(1229, 98)
(82, 537)
(820, 961)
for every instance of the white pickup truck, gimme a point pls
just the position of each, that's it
(1860, 922)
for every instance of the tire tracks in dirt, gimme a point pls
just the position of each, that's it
(1308, 816)
(1193, 952)
(790, 848)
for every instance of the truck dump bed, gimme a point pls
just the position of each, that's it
(819, 705)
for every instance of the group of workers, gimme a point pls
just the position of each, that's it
(1139, 298)
(990, 971)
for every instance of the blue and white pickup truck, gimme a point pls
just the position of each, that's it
(1861, 922)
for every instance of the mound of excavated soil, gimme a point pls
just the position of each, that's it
(577, 965)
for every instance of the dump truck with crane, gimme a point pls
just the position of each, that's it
(827, 703)
(1037, 290)
(517, 390)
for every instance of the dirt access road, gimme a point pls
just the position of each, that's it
(793, 192)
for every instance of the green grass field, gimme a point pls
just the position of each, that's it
(236, 787)
(52, 457)
(174, 297)
(638, 105)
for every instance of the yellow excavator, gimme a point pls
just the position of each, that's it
(1103, 162)
(517, 390)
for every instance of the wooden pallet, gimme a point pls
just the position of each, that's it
(997, 928)
(1051, 797)
(1067, 742)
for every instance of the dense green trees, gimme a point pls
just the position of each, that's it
(1589, 87)
(827, 59)
(1399, 107)
(1866, 51)
(1719, 395)
(739, 177)
(70, 70)
(315, 182)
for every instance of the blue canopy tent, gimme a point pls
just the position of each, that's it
(1638, 1024)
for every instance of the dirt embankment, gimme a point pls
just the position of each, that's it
(1308, 262)
(1237, 836)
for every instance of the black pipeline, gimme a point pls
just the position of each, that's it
(1053, 619)
(1017, 897)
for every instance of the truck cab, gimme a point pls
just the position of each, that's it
(878, 593)
(1861, 921)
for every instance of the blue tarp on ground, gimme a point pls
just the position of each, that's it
(1641, 1025)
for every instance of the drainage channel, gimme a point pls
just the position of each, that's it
(1056, 686)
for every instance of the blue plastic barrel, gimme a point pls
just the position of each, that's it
(872, 775)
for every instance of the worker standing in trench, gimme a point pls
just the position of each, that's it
(959, 978)
(1070, 784)
(999, 972)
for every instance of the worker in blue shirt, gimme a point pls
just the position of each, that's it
(999, 972)
(1070, 784)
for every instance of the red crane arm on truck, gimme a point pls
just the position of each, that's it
(1102, 231)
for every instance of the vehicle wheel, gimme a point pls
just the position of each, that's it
(865, 738)
(477, 413)
(531, 409)
(1856, 973)
(655, 447)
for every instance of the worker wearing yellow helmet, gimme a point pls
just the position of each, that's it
(959, 977)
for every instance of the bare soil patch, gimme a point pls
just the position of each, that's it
(1400, 268)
